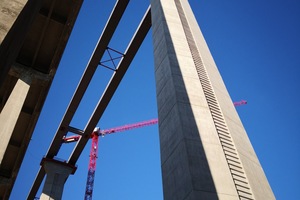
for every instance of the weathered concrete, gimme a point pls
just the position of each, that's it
(57, 173)
(9, 11)
(11, 111)
(205, 152)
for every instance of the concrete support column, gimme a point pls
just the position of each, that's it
(192, 161)
(205, 151)
(57, 173)
(11, 111)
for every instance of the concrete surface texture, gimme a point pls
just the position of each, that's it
(9, 11)
(205, 151)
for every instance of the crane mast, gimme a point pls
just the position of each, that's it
(92, 166)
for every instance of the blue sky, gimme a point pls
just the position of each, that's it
(256, 46)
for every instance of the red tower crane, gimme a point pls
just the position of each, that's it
(94, 147)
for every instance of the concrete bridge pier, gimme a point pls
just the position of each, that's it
(11, 111)
(57, 174)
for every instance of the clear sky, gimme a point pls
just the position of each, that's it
(256, 46)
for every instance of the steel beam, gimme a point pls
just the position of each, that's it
(112, 86)
(87, 75)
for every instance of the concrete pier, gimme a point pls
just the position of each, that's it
(57, 173)
(205, 151)
(11, 111)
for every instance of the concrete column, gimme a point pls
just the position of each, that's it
(205, 151)
(11, 111)
(57, 173)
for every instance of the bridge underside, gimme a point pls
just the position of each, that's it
(33, 37)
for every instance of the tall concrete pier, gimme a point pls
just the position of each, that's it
(205, 151)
